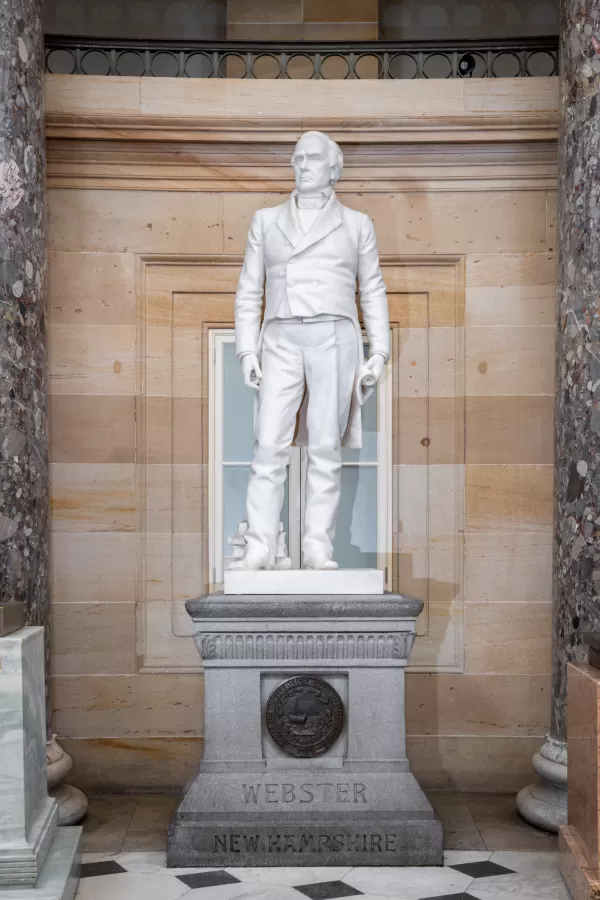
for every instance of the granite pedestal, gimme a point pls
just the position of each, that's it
(254, 804)
(36, 861)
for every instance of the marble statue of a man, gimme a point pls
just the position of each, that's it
(307, 354)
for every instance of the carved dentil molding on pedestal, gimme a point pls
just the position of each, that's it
(314, 645)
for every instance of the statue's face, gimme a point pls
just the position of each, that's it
(312, 169)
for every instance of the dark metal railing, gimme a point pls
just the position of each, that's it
(496, 58)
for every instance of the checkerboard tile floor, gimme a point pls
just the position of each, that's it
(466, 875)
(491, 854)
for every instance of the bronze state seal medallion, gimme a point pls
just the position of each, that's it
(305, 716)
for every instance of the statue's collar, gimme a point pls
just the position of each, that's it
(311, 201)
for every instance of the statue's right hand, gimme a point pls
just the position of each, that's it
(251, 370)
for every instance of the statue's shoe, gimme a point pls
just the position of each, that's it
(319, 562)
(252, 562)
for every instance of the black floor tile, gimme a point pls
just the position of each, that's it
(106, 867)
(451, 897)
(208, 879)
(328, 890)
(483, 869)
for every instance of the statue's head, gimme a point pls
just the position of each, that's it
(317, 162)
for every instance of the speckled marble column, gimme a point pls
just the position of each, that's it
(23, 358)
(24, 499)
(576, 606)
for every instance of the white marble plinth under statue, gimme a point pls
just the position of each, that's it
(304, 581)
(304, 355)
(37, 860)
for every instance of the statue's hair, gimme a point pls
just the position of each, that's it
(336, 157)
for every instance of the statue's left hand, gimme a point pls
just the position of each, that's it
(372, 369)
(251, 370)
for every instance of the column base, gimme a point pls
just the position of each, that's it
(59, 876)
(583, 882)
(72, 803)
(544, 804)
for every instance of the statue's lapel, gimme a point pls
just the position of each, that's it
(289, 224)
(328, 221)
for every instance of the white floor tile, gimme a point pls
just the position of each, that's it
(131, 887)
(542, 862)
(152, 863)
(459, 857)
(97, 857)
(143, 862)
(243, 891)
(289, 875)
(408, 883)
(374, 897)
(520, 887)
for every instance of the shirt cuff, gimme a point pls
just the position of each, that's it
(386, 356)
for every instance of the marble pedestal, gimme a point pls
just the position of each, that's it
(579, 841)
(35, 861)
(252, 804)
